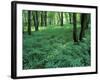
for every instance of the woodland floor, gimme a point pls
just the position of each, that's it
(53, 47)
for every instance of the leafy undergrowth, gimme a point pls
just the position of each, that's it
(54, 47)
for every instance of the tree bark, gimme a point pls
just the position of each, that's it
(41, 18)
(88, 20)
(29, 22)
(45, 18)
(70, 18)
(75, 37)
(84, 25)
(36, 23)
(61, 18)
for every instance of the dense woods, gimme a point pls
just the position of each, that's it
(55, 39)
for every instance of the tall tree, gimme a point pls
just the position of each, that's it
(70, 18)
(61, 18)
(29, 22)
(36, 23)
(45, 18)
(75, 37)
(84, 25)
(58, 19)
(41, 18)
(88, 20)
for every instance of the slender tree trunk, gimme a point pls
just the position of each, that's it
(75, 37)
(45, 18)
(36, 23)
(29, 22)
(88, 20)
(41, 18)
(70, 18)
(61, 18)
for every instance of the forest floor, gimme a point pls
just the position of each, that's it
(53, 47)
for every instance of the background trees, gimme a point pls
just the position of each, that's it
(35, 20)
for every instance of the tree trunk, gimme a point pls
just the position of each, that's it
(70, 18)
(88, 20)
(29, 22)
(45, 18)
(84, 25)
(75, 37)
(36, 23)
(61, 18)
(41, 18)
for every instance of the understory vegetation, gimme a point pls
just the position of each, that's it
(53, 47)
